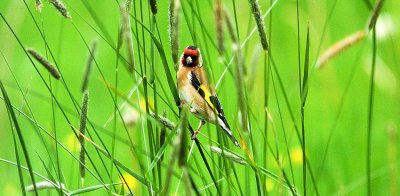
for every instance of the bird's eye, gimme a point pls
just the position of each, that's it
(194, 58)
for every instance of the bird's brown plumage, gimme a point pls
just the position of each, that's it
(195, 92)
(189, 95)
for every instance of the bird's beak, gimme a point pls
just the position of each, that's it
(189, 60)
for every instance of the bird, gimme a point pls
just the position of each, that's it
(194, 92)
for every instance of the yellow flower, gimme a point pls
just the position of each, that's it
(131, 115)
(71, 142)
(143, 104)
(296, 155)
(10, 189)
(269, 185)
(129, 181)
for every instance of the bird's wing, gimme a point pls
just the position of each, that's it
(214, 104)
(202, 77)
(203, 91)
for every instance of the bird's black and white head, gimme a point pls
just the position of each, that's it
(191, 57)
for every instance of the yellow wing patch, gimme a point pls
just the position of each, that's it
(206, 97)
(203, 91)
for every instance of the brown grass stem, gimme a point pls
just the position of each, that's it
(126, 35)
(375, 14)
(219, 18)
(340, 47)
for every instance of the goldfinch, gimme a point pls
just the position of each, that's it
(194, 92)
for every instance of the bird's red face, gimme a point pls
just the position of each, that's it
(190, 57)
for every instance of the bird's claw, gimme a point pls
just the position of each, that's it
(180, 104)
(194, 135)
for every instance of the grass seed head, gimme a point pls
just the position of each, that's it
(230, 26)
(45, 185)
(88, 68)
(227, 154)
(255, 8)
(173, 30)
(52, 70)
(126, 35)
(219, 17)
(61, 8)
(82, 128)
(339, 47)
(128, 5)
(153, 6)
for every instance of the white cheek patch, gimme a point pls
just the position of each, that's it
(200, 59)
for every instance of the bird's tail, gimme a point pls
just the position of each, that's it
(233, 139)
(224, 125)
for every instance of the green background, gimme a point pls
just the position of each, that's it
(335, 113)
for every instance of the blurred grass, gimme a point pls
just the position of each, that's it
(336, 112)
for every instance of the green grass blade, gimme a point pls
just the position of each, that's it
(21, 178)
(118, 163)
(304, 93)
(161, 151)
(19, 133)
(90, 189)
(160, 49)
(370, 114)
(36, 173)
(98, 21)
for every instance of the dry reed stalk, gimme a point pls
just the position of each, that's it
(228, 155)
(163, 120)
(128, 5)
(219, 17)
(52, 70)
(61, 8)
(230, 26)
(126, 35)
(239, 73)
(339, 47)
(45, 185)
(177, 151)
